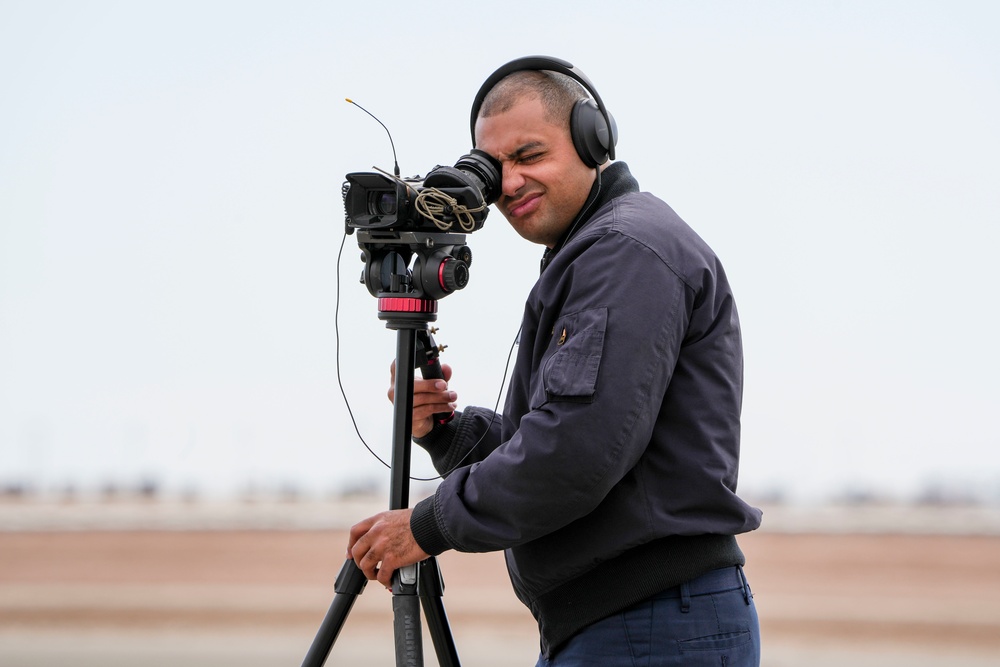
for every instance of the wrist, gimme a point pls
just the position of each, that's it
(425, 529)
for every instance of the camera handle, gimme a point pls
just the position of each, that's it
(415, 585)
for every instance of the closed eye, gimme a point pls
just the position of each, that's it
(530, 152)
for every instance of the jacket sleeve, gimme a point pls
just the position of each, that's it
(469, 437)
(597, 383)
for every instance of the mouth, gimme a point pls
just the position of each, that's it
(524, 205)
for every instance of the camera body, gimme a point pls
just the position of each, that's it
(446, 197)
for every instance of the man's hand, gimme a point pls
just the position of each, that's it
(383, 543)
(430, 397)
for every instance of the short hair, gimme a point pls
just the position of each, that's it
(557, 92)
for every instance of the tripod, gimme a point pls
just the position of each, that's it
(415, 585)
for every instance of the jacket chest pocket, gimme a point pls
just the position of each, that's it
(571, 364)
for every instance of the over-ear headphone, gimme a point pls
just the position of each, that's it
(593, 129)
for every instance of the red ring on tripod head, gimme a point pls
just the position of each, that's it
(393, 304)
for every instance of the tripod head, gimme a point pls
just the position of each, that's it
(407, 294)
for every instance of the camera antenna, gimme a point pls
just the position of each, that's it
(395, 162)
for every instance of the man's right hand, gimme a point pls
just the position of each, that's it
(430, 397)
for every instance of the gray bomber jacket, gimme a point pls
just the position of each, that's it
(611, 474)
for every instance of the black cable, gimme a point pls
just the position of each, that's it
(347, 403)
(336, 336)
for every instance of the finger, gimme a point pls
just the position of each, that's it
(385, 575)
(356, 548)
(369, 564)
(421, 388)
(360, 528)
(429, 410)
(392, 381)
(433, 386)
(359, 534)
(435, 392)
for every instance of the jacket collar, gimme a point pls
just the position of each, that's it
(612, 182)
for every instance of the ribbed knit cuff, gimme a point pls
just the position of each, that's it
(424, 525)
(438, 441)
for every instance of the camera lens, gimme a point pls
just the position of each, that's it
(381, 202)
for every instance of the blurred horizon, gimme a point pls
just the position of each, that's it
(935, 493)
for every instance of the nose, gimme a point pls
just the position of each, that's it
(511, 180)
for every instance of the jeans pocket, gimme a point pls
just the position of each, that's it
(721, 642)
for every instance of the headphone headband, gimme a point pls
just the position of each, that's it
(554, 65)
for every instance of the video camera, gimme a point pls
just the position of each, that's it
(398, 219)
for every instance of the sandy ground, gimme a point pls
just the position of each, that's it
(257, 597)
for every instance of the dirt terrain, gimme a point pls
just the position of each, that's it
(257, 597)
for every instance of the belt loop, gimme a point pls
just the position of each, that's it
(685, 598)
(747, 593)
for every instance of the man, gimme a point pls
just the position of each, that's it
(610, 477)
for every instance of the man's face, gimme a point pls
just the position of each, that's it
(545, 183)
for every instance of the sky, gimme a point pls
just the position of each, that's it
(172, 278)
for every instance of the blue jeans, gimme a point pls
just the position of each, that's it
(710, 620)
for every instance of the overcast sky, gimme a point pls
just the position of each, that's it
(171, 218)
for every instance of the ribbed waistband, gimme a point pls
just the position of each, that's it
(628, 579)
(714, 581)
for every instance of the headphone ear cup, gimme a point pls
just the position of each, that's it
(590, 133)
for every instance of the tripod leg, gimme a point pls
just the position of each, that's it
(350, 582)
(431, 587)
(407, 589)
(406, 618)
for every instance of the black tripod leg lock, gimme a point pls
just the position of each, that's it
(351, 579)
(404, 581)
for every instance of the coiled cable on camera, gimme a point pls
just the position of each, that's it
(438, 206)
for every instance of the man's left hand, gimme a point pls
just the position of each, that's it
(383, 543)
